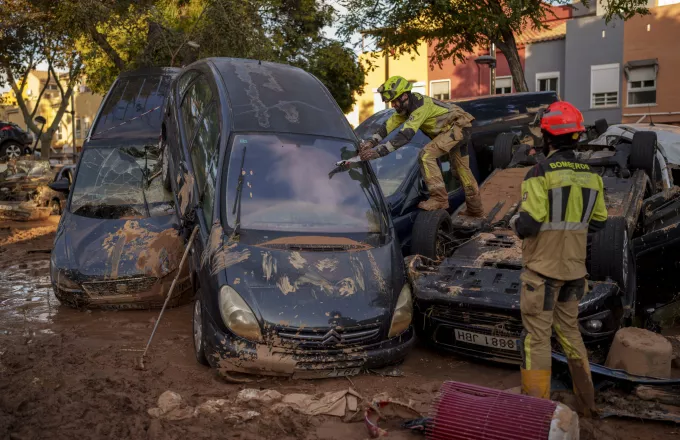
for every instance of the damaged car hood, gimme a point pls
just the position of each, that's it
(118, 248)
(311, 289)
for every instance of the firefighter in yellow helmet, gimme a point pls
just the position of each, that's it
(446, 124)
(562, 201)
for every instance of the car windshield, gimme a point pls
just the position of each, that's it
(112, 183)
(291, 184)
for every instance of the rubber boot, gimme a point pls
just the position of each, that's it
(536, 383)
(439, 199)
(473, 206)
(583, 386)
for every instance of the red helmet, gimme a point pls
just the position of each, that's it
(562, 118)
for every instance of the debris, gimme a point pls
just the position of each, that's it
(169, 408)
(666, 395)
(331, 404)
(388, 371)
(387, 409)
(168, 401)
(258, 396)
(641, 352)
(241, 417)
(211, 406)
(630, 406)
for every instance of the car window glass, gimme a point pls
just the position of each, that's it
(366, 129)
(204, 159)
(185, 80)
(195, 101)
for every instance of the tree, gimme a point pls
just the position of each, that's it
(455, 28)
(30, 36)
(126, 34)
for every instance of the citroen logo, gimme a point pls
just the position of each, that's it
(331, 338)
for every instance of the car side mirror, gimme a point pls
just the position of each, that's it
(62, 185)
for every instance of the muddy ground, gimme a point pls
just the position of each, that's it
(68, 374)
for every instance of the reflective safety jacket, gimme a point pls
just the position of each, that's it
(423, 113)
(562, 200)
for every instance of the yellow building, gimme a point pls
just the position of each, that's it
(86, 106)
(412, 66)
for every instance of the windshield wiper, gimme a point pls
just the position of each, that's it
(239, 190)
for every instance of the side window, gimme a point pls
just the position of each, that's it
(449, 173)
(184, 81)
(204, 159)
(195, 101)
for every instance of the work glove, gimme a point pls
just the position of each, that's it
(513, 223)
(369, 154)
(366, 145)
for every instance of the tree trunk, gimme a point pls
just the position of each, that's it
(104, 44)
(508, 47)
(46, 144)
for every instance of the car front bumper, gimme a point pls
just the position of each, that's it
(231, 354)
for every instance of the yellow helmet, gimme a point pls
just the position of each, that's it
(393, 88)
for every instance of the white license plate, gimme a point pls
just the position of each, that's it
(487, 341)
(345, 372)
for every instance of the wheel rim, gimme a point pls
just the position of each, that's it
(13, 151)
(624, 275)
(198, 328)
(56, 207)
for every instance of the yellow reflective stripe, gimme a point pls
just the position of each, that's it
(569, 349)
(424, 159)
(564, 226)
(527, 352)
(464, 177)
(389, 147)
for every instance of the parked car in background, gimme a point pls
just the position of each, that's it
(297, 268)
(14, 141)
(422, 232)
(117, 244)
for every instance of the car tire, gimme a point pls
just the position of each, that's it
(425, 238)
(165, 167)
(643, 152)
(504, 148)
(611, 255)
(10, 150)
(199, 332)
(601, 126)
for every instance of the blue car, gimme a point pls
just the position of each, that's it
(498, 120)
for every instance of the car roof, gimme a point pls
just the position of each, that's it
(506, 96)
(272, 97)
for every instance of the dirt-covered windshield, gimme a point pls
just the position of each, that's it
(114, 183)
(286, 186)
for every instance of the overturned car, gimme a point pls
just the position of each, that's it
(470, 302)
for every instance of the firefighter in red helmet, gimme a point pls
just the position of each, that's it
(562, 201)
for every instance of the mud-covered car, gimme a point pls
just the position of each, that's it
(118, 242)
(399, 173)
(28, 180)
(296, 266)
(470, 303)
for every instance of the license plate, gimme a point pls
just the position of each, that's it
(345, 372)
(487, 341)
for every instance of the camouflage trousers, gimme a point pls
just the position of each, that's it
(457, 149)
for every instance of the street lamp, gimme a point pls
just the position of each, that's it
(490, 61)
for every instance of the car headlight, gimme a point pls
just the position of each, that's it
(65, 283)
(403, 313)
(237, 315)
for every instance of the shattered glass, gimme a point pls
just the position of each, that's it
(115, 183)
(287, 186)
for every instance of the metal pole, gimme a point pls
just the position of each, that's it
(73, 122)
(492, 52)
(172, 288)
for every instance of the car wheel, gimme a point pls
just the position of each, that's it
(611, 255)
(199, 333)
(601, 126)
(643, 152)
(429, 234)
(165, 167)
(504, 147)
(10, 150)
(55, 204)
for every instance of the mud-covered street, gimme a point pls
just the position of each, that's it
(68, 374)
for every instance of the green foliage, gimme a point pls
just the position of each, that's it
(455, 27)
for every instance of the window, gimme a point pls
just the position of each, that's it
(548, 82)
(378, 103)
(195, 101)
(440, 90)
(449, 174)
(503, 85)
(60, 133)
(642, 86)
(604, 85)
(185, 80)
(204, 160)
(78, 128)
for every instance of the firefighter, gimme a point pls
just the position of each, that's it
(446, 124)
(562, 201)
